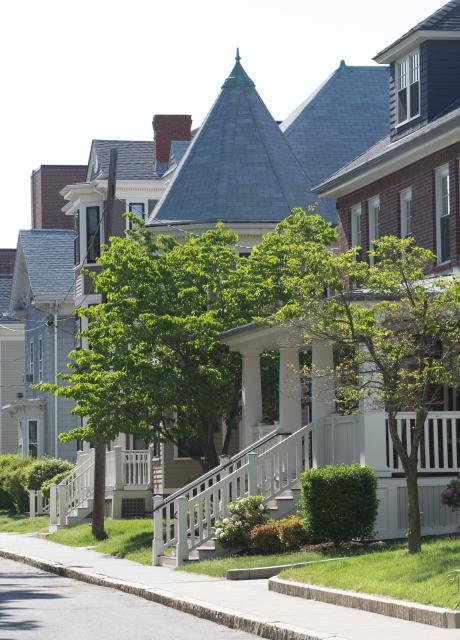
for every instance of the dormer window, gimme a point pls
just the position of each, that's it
(408, 87)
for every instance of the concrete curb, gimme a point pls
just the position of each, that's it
(259, 573)
(226, 617)
(411, 611)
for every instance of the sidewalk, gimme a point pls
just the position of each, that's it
(244, 605)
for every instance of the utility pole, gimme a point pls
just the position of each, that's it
(97, 523)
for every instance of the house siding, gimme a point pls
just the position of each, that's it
(420, 176)
(66, 342)
(11, 384)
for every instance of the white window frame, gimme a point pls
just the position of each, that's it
(143, 201)
(32, 360)
(407, 74)
(441, 174)
(405, 198)
(374, 223)
(356, 228)
(40, 358)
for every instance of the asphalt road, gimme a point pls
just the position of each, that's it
(36, 605)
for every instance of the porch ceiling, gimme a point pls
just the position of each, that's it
(257, 337)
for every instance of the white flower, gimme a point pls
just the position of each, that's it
(225, 521)
(261, 507)
(239, 523)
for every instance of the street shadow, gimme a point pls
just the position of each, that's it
(13, 599)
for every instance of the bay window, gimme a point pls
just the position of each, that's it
(93, 234)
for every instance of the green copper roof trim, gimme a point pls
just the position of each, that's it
(238, 76)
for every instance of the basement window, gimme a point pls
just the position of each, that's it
(408, 87)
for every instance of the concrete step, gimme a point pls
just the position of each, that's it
(167, 561)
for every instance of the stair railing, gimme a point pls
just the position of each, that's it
(188, 521)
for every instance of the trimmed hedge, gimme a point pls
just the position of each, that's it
(338, 504)
(44, 469)
(45, 489)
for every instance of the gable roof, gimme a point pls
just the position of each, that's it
(239, 167)
(47, 255)
(134, 162)
(447, 18)
(386, 150)
(343, 117)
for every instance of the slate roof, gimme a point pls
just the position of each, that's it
(447, 18)
(134, 162)
(239, 167)
(385, 148)
(5, 294)
(178, 149)
(341, 119)
(48, 255)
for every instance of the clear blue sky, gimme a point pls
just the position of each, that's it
(73, 71)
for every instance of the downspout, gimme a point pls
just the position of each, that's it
(55, 382)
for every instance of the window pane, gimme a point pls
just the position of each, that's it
(138, 208)
(193, 448)
(445, 238)
(408, 212)
(402, 75)
(93, 233)
(402, 105)
(33, 431)
(414, 100)
(414, 67)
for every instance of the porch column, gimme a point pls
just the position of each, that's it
(290, 390)
(251, 396)
(373, 426)
(322, 394)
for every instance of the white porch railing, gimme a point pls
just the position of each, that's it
(138, 469)
(188, 521)
(439, 446)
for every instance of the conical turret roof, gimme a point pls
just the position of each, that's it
(239, 167)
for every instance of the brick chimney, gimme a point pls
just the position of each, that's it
(167, 128)
(7, 257)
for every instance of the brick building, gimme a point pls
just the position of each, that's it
(46, 201)
(408, 182)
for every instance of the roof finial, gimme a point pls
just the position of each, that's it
(237, 57)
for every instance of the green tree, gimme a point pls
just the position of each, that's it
(398, 329)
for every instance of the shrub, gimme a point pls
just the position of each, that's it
(45, 490)
(265, 539)
(12, 496)
(338, 503)
(14, 484)
(245, 514)
(291, 533)
(44, 469)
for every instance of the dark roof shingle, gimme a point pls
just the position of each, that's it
(238, 168)
(135, 159)
(447, 18)
(343, 117)
(49, 261)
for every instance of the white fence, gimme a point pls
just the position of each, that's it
(188, 521)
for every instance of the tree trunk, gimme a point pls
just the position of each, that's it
(211, 459)
(414, 533)
(97, 523)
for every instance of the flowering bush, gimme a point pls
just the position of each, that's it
(450, 496)
(244, 515)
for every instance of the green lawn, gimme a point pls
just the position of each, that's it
(393, 572)
(220, 566)
(12, 523)
(131, 539)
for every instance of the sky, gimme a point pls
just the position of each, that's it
(73, 71)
